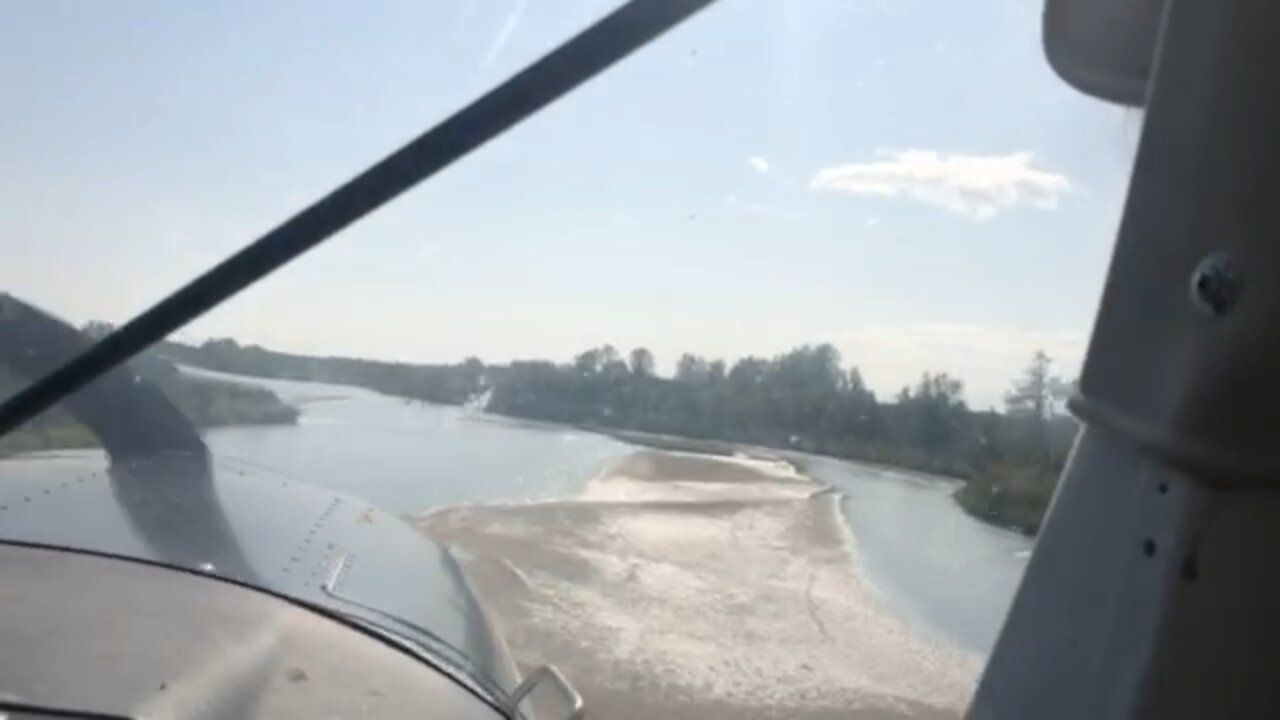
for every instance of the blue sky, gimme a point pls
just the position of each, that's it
(906, 179)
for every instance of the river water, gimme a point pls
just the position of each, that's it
(948, 575)
(408, 457)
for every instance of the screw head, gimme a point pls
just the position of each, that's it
(1215, 284)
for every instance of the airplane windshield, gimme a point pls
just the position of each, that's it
(732, 383)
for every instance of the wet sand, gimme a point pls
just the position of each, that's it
(683, 586)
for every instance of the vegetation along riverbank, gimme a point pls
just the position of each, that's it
(806, 399)
(208, 402)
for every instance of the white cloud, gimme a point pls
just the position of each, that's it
(988, 358)
(736, 203)
(504, 32)
(760, 164)
(976, 186)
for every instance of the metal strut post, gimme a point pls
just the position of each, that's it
(1154, 589)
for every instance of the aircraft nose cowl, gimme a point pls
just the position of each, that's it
(263, 530)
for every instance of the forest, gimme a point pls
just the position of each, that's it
(806, 399)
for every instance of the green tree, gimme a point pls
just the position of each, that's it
(748, 371)
(609, 354)
(932, 416)
(641, 362)
(716, 371)
(588, 362)
(615, 370)
(97, 329)
(691, 369)
(1030, 405)
(1033, 394)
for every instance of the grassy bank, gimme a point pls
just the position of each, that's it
(218, 403)
(1014, 496)
(207, 403)
(59, 436)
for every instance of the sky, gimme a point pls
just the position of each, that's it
(905, 179)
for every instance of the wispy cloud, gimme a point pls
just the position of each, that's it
(504, 33)
(759, 164)
(976, 186)
(755, 208)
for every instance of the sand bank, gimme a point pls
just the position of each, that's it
(696, 587)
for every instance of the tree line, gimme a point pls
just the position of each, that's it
(805, 399)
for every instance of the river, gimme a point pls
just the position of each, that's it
(948, 575)
(409, 457)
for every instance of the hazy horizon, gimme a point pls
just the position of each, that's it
(906, 181)
(664, 367)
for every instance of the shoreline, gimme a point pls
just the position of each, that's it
(1016, 521)
(208, 403)
(798, 458)
(703, 587)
